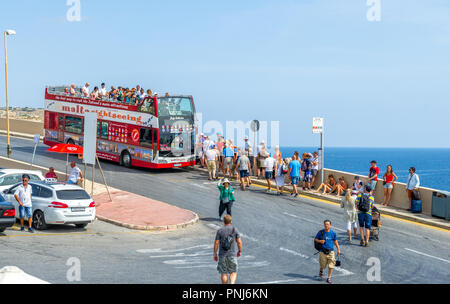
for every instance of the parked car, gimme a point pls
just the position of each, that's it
(56, 204)
(7, 214)
(10, 177)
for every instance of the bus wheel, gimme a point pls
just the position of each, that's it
(125, 159)
(70, 142)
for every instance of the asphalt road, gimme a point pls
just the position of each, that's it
(277, 235)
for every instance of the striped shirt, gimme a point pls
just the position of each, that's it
(371, 201)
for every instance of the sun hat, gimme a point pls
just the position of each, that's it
(225, 181)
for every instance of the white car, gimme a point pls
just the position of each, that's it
(56, 204)
(10, 177)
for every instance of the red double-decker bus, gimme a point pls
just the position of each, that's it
(157, 132)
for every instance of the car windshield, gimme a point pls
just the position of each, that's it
(72, 195)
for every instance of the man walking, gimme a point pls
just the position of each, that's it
(269, 164)
(23, 196)
(364, 204)
(211, 158)
(328, 239)
(228, 241)
(315, 167)
(243, 165)
(412, 185)
(75, 175)
(294, 173)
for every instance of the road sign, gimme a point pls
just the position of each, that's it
(255, 125)
(36, 139)
(317, 125)
(90, 138)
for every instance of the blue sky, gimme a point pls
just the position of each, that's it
(380, 84)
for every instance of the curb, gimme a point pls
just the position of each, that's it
(384, 211)
(20, 135)
(151, 228)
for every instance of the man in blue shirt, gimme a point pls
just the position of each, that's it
(294, 173)
(328, 239)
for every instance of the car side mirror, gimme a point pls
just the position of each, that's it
(6, 191)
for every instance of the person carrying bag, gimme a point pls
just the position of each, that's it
(226, 197)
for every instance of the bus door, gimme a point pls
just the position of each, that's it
(61, 127)
(155, 143)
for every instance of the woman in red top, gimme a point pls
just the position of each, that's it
(389, 179)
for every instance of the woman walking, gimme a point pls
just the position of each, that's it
(226, 197)
(350, 214)
(389, 180)
(281, 170)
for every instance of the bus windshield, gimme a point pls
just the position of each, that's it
(175, 106)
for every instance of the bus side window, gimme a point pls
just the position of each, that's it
(146, 137)
(105, 130)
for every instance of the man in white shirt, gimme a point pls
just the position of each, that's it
(103, 91)
(412, 185)
(75, 174)
(86, 90)
(211, 158)
(23, 196)
(269, 163)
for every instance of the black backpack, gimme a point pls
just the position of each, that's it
(227, 242)
(364, 203)
(319, 246)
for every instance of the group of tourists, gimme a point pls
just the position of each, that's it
(131, 96)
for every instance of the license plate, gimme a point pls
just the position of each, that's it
(78, 209)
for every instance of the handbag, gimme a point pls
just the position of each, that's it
(416, 195)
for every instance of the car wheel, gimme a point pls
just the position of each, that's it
(39, 220)
(81, 225)
(2, 229)
(125, 159)
(70, 142)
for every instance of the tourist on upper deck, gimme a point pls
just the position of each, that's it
(86, 90)
(72, 90)
(103, 91)
(95, 94)
(389, 179)
(167, 95)
(149, 93)
(141, 94)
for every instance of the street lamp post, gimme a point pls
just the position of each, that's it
(7, 33)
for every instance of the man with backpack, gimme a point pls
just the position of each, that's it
(228, 242)
(324, 242)
(364, 204)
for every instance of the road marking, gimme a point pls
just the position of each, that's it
(338, 269)
(427, 255)
(159, 250)
(310, 221)
(200, 186)
(181, 255)
(292, 280)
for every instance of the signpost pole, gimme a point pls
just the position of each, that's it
(36, 140)
(322, 153)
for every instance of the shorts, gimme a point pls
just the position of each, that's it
(373, 184)
(351, 225)
(295, 180)
(243, 173)
(365, 220)
(228, 163)
(327, 260)
(269, 174)
(211, 166)
(314, 172)
(389, 186)
(308, 176)
(28, 211)
(227, 265)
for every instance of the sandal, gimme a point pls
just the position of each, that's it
(321, 276)
(329, 281)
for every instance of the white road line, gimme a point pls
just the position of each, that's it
(200, 186)
(159, 250)
(279, 282)
(311, 221)
(294, 253)
(427, 255)
(181, 255)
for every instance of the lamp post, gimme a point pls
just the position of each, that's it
(7, 33)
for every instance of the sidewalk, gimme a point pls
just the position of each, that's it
(389, 211)
(126, 209)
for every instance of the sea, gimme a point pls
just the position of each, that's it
(432, 165)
